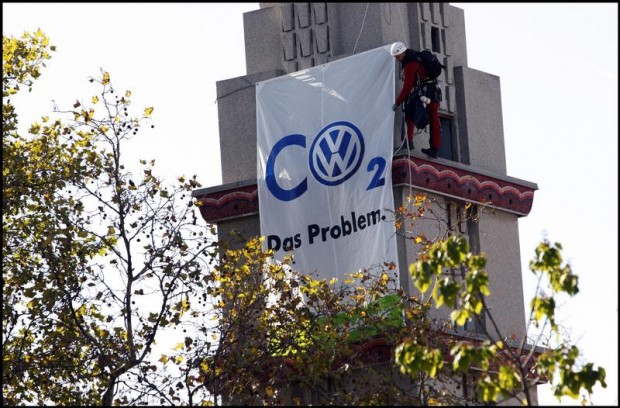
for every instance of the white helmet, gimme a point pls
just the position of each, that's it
(398, 48)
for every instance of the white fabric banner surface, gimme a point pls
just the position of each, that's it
(324, 164)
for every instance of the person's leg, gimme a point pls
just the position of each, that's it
(410, 130)
(435, 138)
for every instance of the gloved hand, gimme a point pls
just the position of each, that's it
(394, 107)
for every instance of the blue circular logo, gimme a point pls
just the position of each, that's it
(336, 153)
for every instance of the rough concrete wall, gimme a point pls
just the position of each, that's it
(499, 240)
(357, 23)
(263, 47)
(480, 125)
(456, 41)
(247, 227)
(237, 122)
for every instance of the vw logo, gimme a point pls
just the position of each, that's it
(336, 153)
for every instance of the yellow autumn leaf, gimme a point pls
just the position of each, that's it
(127, 94)
(178, 359)
(419, 199)
(35, 128)
(384, 279)
(164, 358)
(81, 311)
(179, 346)
(95, 99)
(106, 78)
(148, 111)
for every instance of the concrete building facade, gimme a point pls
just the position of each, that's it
(468, 183)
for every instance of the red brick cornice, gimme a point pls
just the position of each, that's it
(437, 176)
(228, 201)
(464, 182)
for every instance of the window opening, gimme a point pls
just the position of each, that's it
(446, 150)
(435, 40)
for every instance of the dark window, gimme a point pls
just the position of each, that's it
(435, 39)
(443, 42)
(445, 151)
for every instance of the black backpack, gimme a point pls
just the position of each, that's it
(430, 62)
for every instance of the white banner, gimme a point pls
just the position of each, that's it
(324, 164)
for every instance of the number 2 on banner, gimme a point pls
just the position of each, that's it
(378, 180)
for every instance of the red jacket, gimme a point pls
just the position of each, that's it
(410, 73)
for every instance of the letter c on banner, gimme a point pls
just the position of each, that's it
(270, 177)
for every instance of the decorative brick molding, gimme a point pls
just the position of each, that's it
(436, 176)
(227, 203)
(465, 184)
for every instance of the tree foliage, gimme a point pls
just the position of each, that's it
(504, 369)
(280, 336)
(97, 261)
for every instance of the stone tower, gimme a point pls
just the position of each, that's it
(468, 180)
